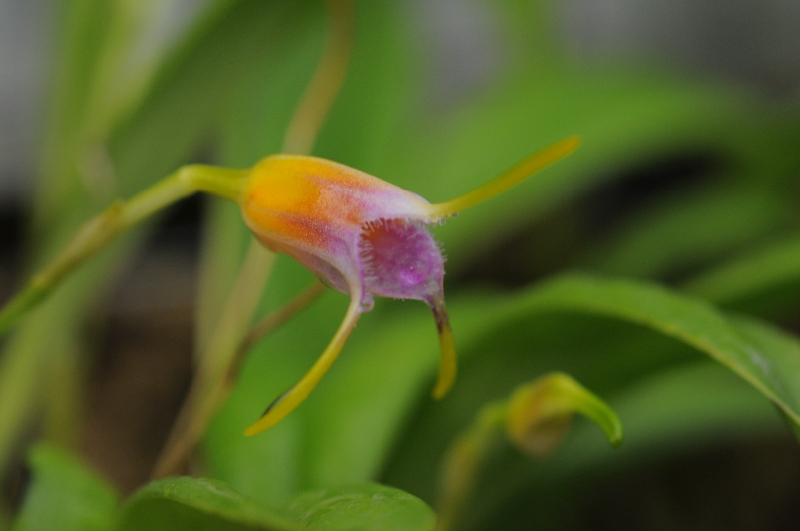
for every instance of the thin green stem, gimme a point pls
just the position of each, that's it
(98, 232)
(208, 387)
(534, 419)
(275, 319)
(209, 391)
(463, 462)
(327, 80)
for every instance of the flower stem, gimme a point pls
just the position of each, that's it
(534, 419)
(463, 462)
(208, 390)
(327, 80)
(98, 232)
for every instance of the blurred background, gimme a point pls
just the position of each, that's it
(754, 46)
(748, 52)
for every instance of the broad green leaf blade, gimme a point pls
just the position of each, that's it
(206, 504)
(682, 407)
(351, 420)
(65, 495)
(364, 507)
(765, 357)
(196, 504)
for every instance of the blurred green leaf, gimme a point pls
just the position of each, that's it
(196, 504)
(65, 495)
(691, 229)
(366, 507)
(350, 422)
(765, 269)
(189, 96)
(626, 116)
(763, 356)
(65, 197)
(157, 136)
(253, 118)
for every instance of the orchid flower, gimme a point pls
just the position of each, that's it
(356, 233)
(364, 237)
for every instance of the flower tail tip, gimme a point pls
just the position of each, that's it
(270, 417)
(285, 403)
(524, 169)
(448, 365)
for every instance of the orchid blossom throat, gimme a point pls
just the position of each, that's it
(364, 237)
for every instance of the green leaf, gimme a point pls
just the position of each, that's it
(534, 332)
(615, 112)
(199, 504)
(190, 96)
(759, 271)
(196, 504)
(65, 495)
(366, 507)
(690, 229)
(763, 356)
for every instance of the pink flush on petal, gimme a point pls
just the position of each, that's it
(401, 260)
(365, 237)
